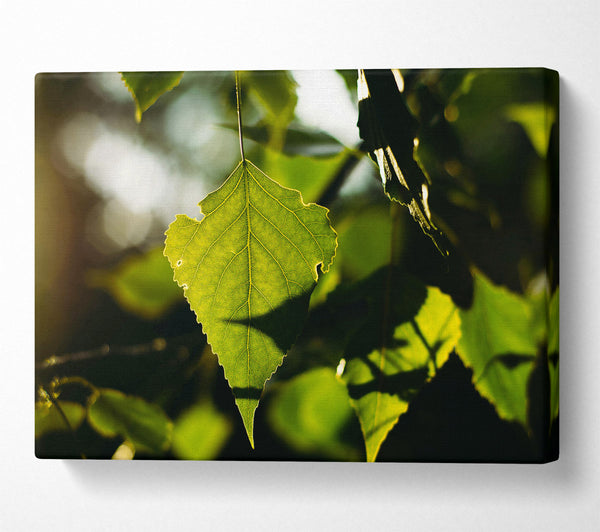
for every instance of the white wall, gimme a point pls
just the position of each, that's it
(119, 35)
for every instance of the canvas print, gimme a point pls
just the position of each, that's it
(344, 265)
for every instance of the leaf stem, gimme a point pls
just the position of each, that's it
(238, 99)
(57, 383)
(54, 400)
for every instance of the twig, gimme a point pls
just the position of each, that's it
(348, 166)
(155, 346)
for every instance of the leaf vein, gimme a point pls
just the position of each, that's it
(289, 210)
(276, 262)
(207, 214)
(284, 236)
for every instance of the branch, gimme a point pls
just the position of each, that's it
(155, 346)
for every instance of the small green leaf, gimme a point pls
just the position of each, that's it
(112, 413)
(311, 413)
(499, 344)
(200, 433)
(536, 118)
(409, 332)
(141, 284)
(147, 87)
(247, 270)
(49, 419)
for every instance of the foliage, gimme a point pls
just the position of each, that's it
(200, 432)
(324, 308)
(408, 331)
(498, 345)
(311, 412)
(147, 87)
(145, 426)
(139, 284)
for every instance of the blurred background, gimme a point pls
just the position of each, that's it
(107, 187)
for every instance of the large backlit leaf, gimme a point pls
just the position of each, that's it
(48, 417)
(142, 284)
(112, 413)
(311, 413)
(499, 344)
(248, 269)
(200, 432)
(409, 331)
(147, 87)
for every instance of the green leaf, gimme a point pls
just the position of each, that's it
(536, 118)
(499, 344)
(311, 176)
(311, 413)
(389, 129)
(409, 331)
(200, 433)
(364, 240)
(364, 233)
(275, 92)
(141, 284)
(49, 419)
(112, 413)
(147, 87)
(298, 140)
(247, 270)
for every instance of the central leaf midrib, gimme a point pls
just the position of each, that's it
(247, 192)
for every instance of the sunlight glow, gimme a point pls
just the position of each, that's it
(341, 367)
(125, 172)
(324, 103)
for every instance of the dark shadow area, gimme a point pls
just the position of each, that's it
(544, 432)
(508, 360)
(283, 323)
(404, 384)
(247, 393)
(450, 422)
